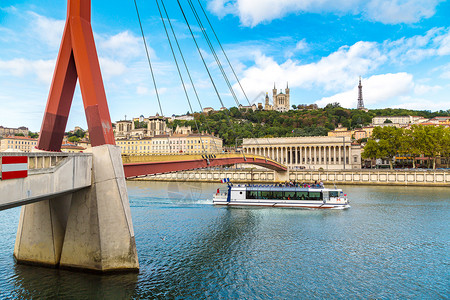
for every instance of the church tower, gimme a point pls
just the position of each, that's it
(287, 105)
(274, 96)
(267, 101)
(360, 96)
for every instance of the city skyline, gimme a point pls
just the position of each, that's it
(320, 49)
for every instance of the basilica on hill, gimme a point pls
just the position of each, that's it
(280, 101)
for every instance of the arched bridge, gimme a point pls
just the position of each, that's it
(140, 165)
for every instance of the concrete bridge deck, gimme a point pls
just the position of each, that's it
(49, 175)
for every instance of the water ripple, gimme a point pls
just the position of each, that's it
(392, 243)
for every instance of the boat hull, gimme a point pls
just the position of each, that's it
(285, 204)
(282, 196)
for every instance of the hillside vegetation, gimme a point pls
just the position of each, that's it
(235, 124)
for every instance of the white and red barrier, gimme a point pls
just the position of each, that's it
(14, 167)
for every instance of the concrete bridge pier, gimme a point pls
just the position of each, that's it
(90, 229)
(99, 234)
(40, 234)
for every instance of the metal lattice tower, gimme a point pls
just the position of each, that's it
(360, 96)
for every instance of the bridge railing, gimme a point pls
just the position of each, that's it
(41, 162)
(157, 157)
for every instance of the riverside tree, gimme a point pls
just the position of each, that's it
(427, 141)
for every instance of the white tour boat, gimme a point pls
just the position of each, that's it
(314, 196)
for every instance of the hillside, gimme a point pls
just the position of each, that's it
(235, 124)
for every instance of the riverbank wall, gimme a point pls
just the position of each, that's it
(354, 177)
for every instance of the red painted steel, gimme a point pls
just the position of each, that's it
(77, 59)
(141, 169)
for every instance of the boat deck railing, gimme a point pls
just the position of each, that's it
(317, 186)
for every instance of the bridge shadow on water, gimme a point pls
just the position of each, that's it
(186, 265)
(32, 282)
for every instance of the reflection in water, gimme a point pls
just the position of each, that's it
(392, 243)
(205, 259)
(45, 283)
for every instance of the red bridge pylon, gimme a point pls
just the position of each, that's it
(77, 59)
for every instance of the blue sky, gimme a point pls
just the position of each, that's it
(400, 48)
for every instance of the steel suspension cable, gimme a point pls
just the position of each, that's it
(181, 77)
(148, 58)
(200, 23)
(226, 56)
(206, 67)
(208, 41)
(186, 67)
(150, 66)
(201, 55)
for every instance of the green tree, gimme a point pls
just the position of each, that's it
(389, 141)
(73, 139)
(370, 150)
(429, 141)
(138, 124)
(445, 152)
(33, 135)
(409, 145)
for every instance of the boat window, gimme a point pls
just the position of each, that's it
(334, 194)
(265, 195)
(290, 195)
(301, 196)
(278, 195)
(252, 195)
(315, 195)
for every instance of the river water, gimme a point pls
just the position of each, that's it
(392, 243)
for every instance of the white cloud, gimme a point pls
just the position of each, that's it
(42, 69)
(47, 29)
(337, 71)
(252, 13)
(111, 67)
(445, 71)
(398, 11)
(123, 44)
(301, 45)
(444, 43)
(142, 90)
(416, 103)
(376, 90)
(422, 89)
(435, 42)
(10, 9)
(333, 73)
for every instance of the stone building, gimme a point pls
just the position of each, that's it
(172, 144)
(17, 144)
(183, 130)
(147, 127)
(281, 101)
(122, 129)
(399, 121)
(5, 131)
(157, 126)
(340, 131)
(329, 153)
